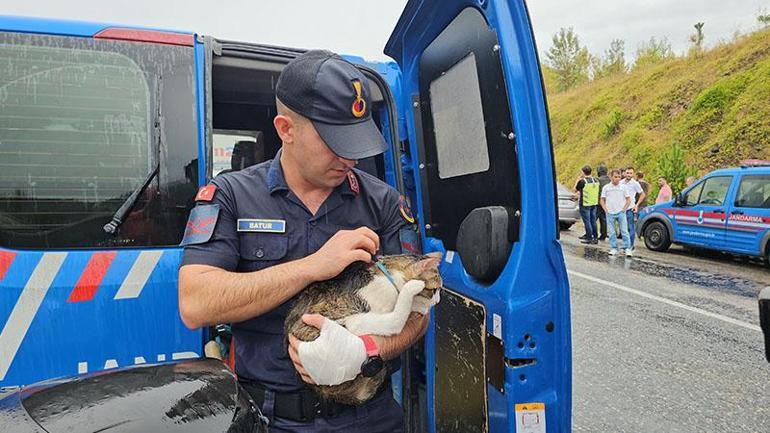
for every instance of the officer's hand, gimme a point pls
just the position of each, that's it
(344, 248)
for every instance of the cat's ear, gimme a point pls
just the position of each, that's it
(431, 261)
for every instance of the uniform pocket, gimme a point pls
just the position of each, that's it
(261, 250)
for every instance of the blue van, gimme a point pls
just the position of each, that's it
(727, 210)
(107, 132)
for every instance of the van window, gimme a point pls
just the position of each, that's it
(715, 190)
(468, 142)
(754, 191)
(692, 197)
(82, 124)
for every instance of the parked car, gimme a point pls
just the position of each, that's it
(569, 213)
(727, 210)
(189, 396)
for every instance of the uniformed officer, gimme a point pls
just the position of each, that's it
(257, 237)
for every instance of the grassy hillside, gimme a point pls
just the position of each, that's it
(715, 105)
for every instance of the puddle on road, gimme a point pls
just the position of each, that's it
(727, 283)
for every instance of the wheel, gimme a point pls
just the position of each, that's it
(656, 236)
(564, 226)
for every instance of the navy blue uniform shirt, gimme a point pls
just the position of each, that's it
(259, 197)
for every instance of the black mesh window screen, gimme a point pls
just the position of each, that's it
(468, 141)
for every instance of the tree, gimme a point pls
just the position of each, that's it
(653, 52)
(614, 61)
(672, 166)
(568, 59)
(697, 39)
(764, 19)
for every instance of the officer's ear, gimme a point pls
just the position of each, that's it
(284, 126)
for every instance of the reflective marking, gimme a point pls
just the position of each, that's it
(726, 319)
(82, 367)
(92, 276)
(110, 363)
(161, 358)
(139, 360)
(6, 258)
(184, 355)
(26, 307)
(138, 275)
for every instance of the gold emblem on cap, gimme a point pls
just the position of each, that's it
(359, 105)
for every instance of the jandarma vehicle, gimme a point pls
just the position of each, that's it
(107, 132)
(726, 210)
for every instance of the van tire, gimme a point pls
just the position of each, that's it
(656, 236)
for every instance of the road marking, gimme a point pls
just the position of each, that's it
(726, 319)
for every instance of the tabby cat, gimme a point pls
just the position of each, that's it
(364, 300)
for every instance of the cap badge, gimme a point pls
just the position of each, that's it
(359, 105)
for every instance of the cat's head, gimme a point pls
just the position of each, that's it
(416, 267)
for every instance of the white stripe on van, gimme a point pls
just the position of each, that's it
(26, 307)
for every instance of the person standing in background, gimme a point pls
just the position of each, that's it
(601, 170)
(645, 187)
(637, 195)
(616, 200)
(588, 186)
(665, 193)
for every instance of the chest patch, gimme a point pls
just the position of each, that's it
(200, 225)
(261, 225)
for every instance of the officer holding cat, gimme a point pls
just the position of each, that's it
(258, 236)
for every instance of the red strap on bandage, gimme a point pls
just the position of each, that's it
(370, 345)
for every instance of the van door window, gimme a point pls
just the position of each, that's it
(692, 197)
(715, 190)
(82, 124)
(754, 192)
(468, 147)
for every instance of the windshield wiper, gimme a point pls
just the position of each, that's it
(120, 215)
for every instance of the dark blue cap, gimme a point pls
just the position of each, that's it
(334, 95)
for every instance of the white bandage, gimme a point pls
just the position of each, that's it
(334, 357)
(422, 305)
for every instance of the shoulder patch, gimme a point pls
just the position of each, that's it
(200, 225)
(353, 182)
(406, 212)
(206, 193)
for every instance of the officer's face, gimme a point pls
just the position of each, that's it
(317, 163)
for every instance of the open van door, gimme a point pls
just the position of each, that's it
(498, 351)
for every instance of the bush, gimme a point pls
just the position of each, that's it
(673, 167)
(612, 124)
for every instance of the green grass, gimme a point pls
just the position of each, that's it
(716, 105)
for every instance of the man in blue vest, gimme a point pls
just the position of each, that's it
(262, 234)
(588, 188)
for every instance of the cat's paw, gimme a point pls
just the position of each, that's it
(413, 287)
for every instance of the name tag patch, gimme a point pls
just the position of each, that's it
(261, 225)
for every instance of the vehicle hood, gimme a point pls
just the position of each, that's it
(191, 396)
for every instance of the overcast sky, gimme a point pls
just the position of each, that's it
(362, 26)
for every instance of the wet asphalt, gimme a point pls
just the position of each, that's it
(641, 364)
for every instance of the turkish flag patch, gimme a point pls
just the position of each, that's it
(206, 193)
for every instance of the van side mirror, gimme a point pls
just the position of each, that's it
(679, 200)
(764, 318)
(484, 241)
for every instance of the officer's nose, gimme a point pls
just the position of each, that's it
(349, 163)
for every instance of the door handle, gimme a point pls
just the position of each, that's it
(737, 212)
(719, 211)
